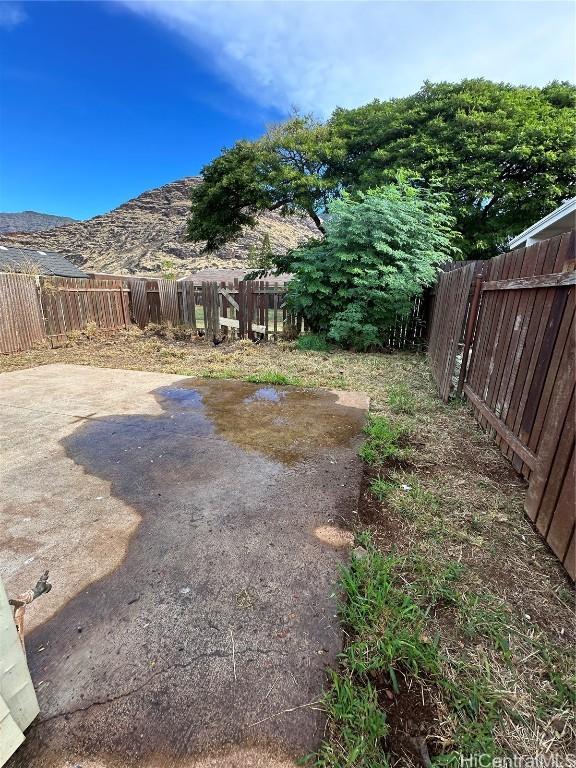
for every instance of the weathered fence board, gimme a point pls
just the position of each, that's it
(139, 301)
(521, 376)
(21, 323)
(451, 304)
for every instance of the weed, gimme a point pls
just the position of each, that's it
(91, 330)
(382, 488)
(385, 441)
(273, 377)
(401, 400)
(312, 343)
(483, 615)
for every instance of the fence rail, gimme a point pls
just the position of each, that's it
(520, 379)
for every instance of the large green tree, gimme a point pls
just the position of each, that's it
(504, 154)
(286, 170)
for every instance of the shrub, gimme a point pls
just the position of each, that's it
(382, 248)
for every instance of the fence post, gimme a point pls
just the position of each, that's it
(470, 329)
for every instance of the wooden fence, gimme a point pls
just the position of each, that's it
(242, 308)
(453, 300)
(71, 304)
(520, 380)
(33, 309)
(21, 323)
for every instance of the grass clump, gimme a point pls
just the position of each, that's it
(386, 441)
(382, 488)
(387, 622)
(359, 723)
(406, 495)
(222, 373)
(273, 377)
(312, 343)
(401, 400)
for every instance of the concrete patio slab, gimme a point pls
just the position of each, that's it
(192, 532)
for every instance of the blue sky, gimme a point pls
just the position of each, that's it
(100, 101)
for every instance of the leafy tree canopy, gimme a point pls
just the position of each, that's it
(285, 170)
(381, 248)
(505, 155)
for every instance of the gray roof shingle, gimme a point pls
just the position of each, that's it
(43, 262)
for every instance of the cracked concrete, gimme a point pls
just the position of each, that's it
(191, 531)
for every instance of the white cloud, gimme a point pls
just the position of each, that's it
(318, 55)
(11, 15)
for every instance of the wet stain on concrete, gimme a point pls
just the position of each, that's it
(334, 536)
(160, 657)
(284, 423)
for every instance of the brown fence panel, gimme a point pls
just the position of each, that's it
(521, 378)
(138, 301)
(21, 324)
(168, 295)
(451, 305)
(69, 304)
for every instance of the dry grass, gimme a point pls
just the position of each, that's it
(506, 622)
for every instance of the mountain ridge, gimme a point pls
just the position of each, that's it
(140, 235)
(31, 221)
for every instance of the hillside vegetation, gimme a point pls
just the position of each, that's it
(144, 233)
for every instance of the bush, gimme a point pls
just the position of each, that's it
(382, 248)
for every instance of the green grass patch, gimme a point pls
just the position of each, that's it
(311, 342)
(388, 625)
(385, 441)
(386, 606)
(406, 495)
(359, 723)
(225, 373)
(401, 400)
(382, 488)
(273, 377)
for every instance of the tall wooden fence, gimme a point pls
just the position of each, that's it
(520, 381)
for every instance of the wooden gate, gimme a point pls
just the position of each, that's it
(246, 308)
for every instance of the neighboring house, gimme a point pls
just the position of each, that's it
(14, 259)
(229, 275)
(563, 219)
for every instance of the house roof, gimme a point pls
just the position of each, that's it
(561, 220)
(41, 262)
